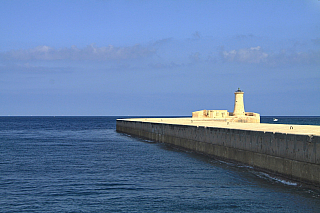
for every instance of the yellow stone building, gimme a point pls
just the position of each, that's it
(238, 114)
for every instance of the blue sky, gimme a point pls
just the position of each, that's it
(142, 57)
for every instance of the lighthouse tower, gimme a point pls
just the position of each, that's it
(238, 103)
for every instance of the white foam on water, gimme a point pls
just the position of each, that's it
(149, 141)
(286, 182)
(245, 166)
(234, 164)
(224, 162)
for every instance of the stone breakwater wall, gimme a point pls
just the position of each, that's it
(296, 157)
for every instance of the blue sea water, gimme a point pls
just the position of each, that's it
(81, 164)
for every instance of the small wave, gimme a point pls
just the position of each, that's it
(225, 162)
(149, 141)
(245, 166)
(286, 182)
(234, 164)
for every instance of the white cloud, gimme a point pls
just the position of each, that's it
(286, 57)
(90, 52)
(316, 41)
(254, 55)
(248, 55)
(196, 35)
(195, 57)
(162, 41)
(165, 65)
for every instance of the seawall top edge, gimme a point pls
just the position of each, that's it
(311, 130)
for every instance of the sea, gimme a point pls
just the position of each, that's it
(81, 164)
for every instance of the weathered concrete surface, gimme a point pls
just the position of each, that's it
(292, 151)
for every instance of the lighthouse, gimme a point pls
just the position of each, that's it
(238, 115)
(238, 103)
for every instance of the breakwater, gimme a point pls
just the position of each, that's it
(291, 151)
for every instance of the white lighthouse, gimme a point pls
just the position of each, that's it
(238, 115)
(238, 103)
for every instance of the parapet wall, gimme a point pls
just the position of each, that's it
(296, 157)
(224, 115)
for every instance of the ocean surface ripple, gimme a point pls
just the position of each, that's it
(81, 164)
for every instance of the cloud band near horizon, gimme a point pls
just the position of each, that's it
(250, 55)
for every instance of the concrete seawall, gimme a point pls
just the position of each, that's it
(291, 151)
